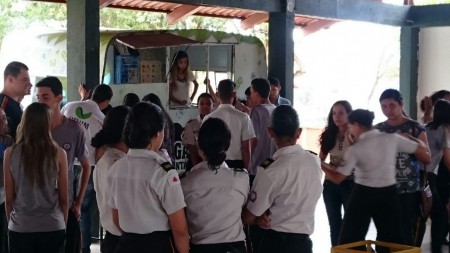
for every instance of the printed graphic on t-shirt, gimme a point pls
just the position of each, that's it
(81, 115)
(67, 146)
(407, 166)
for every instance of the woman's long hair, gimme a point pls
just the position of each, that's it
(176, 58)
(327, 139)
(39, 151)
(169, 127)
(113, 125)
(441, 114)
(174, 67)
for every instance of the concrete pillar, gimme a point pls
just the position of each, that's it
(281, 47)
(83, 43)
(409, 65)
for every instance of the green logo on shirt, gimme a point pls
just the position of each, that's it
(81, 115)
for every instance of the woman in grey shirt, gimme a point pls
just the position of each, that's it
(439, 142)
(35, 171)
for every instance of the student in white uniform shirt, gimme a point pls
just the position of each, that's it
(145, 190)
(239, 123)
(374, 195)
(286, 190)
(215, 195)
(109, 147)
(205, 106)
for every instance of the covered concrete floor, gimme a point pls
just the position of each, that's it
(321, 239)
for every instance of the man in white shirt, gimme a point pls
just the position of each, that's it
(88, 113)
(242, 132)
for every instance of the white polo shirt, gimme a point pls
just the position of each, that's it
(144, 192)
(373, 158)
(100, 177)
(89, 115)
(290, 188)
(214, 203)
(240, 126)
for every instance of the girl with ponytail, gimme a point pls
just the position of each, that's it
(109, 147)
(215, 194)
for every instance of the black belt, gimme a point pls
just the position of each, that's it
(153, 235)
(297, 236)
(235, 247)
(235, 164)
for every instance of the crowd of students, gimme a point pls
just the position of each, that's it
(249, 187)
(378, 171)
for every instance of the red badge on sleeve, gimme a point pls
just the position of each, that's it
(173, 180)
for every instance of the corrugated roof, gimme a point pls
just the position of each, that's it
(178, 11)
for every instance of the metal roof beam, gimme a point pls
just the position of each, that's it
(430, 15)
(257, 5)
(181, 13)
(253, 20)
(362, 10)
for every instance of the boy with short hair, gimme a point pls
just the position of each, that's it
(71, 137)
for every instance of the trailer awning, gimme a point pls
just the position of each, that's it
(151, 40)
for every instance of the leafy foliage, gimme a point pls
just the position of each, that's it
(23, 14)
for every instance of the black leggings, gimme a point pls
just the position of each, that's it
(39, 242)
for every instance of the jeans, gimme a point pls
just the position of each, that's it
(89, 202)
(335, 197)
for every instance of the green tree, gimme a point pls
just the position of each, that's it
(22, 14)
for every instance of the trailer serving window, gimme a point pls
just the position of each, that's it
(146, 58)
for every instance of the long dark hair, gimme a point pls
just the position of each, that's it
(327, 139)
(143, 123)
(214, 140)
(441, 114)
(174, 66)
(113, 126)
